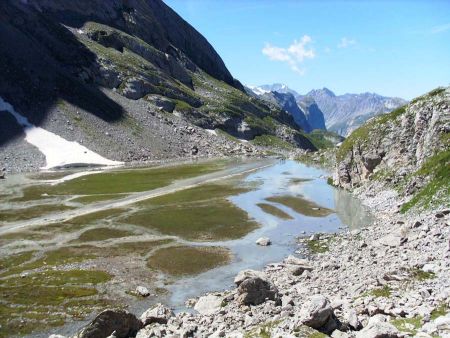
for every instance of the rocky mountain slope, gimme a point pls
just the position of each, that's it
(344, 113)
(303, 108)
(405, 152)
(121, 77)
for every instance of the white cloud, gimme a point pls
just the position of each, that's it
(346, 42)
(440, 29)
(293, 55)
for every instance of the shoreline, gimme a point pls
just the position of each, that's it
(391, 277)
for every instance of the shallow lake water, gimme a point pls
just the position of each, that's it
(180, 230)
(285, 177)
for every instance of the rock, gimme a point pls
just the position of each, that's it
(352, 319)
(318, 314)
(208, 305)
(263, 241)
(161, 102)
(430, 267)
(123, 323)
(255, 290)
(379, 329)
(391, 240)
(245, 274)
(158, 314)
(315, 237)
(297, 266)
(339, 334)
(142, 291)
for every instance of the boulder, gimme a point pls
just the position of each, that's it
(121, 322)
(208, 305)
(318, 314)
(392, 240)
(256, 290)
(161, 102)
(142, 291)
(245, 274)
(263, 241)
(297, 265)
(379, 329)
(158, 314)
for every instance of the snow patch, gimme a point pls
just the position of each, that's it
(73, 176)
(211, 131)
(58, 151)
(258, 90)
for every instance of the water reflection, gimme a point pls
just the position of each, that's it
(286, 178)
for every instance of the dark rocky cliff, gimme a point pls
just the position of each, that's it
(88, 68)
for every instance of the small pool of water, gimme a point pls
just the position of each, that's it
(285, 178)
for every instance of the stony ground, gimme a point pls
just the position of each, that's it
(391, 279)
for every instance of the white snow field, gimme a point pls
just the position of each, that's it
(58, 151)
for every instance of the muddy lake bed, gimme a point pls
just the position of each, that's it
(81, 241)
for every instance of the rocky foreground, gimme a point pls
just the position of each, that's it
(391, 279)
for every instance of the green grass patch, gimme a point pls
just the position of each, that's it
(273, 210)
(317, 246)
(101, 234)
(421, 275)
(188, 260)
(201, 213)
(437, 190)
(384, 291)
(441, 310)
(272, 141)
(301, 205)
(15, 215)
(409, 325)
(123, 181)
(46, 299)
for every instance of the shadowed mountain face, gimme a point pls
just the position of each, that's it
(80, 68)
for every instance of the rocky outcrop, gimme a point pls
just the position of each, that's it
(119, 323)
(407, 148)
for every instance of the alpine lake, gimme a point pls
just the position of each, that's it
(74, 242)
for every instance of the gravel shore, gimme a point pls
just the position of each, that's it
(391, 279)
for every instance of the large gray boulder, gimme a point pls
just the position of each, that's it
(379, 329)
(208, 305)
(246, 274)
(318, 314)
(121, 322)
(254, 291)
(158, 314)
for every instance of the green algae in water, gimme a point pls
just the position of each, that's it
(273, 210)
(51, 291)
(13, 215)
(217, 220)
(188, 260)
(101, 234)
(301, 205)
(203, 192)
(202, 213)
(121, 181)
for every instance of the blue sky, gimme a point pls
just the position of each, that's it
(394, 48)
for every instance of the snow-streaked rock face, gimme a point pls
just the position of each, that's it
(58, 151)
